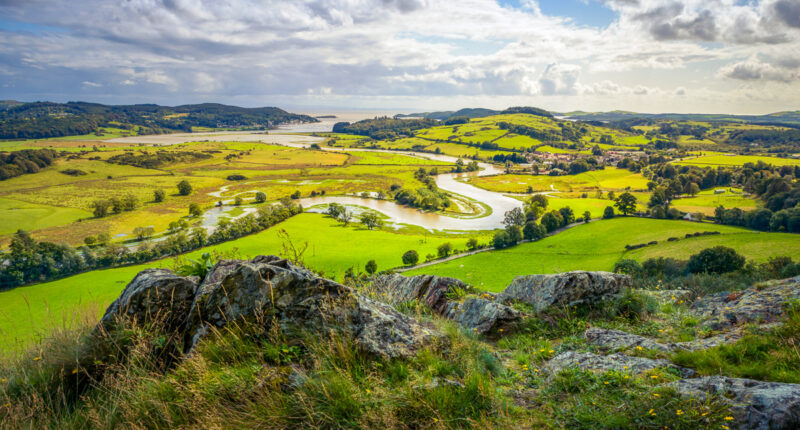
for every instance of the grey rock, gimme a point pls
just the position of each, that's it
(755, 404)
(153, 296)
(565, 289)
(616, 339)
(710, 342)
(483, 316)
(604, 363)
(760, 304)
(427, 289)
(269, 291)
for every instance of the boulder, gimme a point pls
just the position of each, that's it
(565, 289)
(604, 363)
(616, 339)
(269, 291)
(760, 304)
(755, 404)
(483, 316)
(154, 296)
(427, 289)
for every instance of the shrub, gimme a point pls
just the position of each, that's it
(184, 188)
(628, 267)
(410, 258)
(719, 259)
(261, 197)
(74, 172)
(194, 210)
(371, 267)
(159, 195)
(444, 249)
(608, 212)
(236, 177)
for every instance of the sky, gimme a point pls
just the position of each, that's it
(703, 56)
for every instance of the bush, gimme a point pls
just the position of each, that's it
(261, 197)
(533, 231)
(500, 240)
(608, 212)
(628, 267)
(444, 249)
(159, 195)
(719, 259)
(184, 188)
(236, 177)
(410, 258)
(371, 267)
(194, 210)
(73, 172)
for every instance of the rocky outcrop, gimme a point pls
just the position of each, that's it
(565, 289)
(709, 342)
(482, 315)
(760, 304)
(427, 289)
(610, 340)
(154, 296)
(604, 363)
(664, 297)
(269, 291)
(755, 404)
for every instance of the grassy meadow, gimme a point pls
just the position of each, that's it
(607, 179)
(332, 249)
(600, 244)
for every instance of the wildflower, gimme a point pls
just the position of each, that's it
(541, 350)
(656, 395)
(654, 376)
(679, 412)
(37, 358)
(74, 371)
(551, 351)
(606, 382)
(436, 420)
(724, 427)
(368, 391)
(639, 347)
(624, 367)
(626, 376)
(501, 330)
(3, 380)
(285, 351)
(650, 411)
(704, 414)
(536, 370)
(728, 418)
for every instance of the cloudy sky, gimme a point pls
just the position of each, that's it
(737, 56)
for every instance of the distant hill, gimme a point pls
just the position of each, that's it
(475, 113)
(47, 119)
(780, 118)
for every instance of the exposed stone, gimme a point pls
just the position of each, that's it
(710, 342)
(565, 289)
(616, 339)
(760, 304)
(755, 404)
(604, 363)
(483, 316)
(269, 290)
(153, 296)
(427, 289)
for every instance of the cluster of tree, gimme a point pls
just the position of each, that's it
(384, 128)
(528, 110)
(46, 119)
(676, 129)
(763, 219)
(716, 261)
(101, 208)
(152, 160)
(790, 139)
(456, 120)
(510, 158)
(30, 261)
(472, 166)
(25, 161)
(428, 198)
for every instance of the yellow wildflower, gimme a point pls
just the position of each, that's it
(728, 418)
(654, 376)
(551, 351)
(37, 358)
(679, 412)
(639, 347)
(74, 371)
(656, 395)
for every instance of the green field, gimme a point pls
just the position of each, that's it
(738, 160)
(332, 249)
(607, 179)
(18, 215)
(707, 201)
(600, 244)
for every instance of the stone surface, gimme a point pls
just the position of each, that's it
(616, 339)
(760, 304)
(483, 316)
(603, 363)
(710, 342)
(755, 404)
(427, 289)
(153, 296)
(565, 289)
(269, 290)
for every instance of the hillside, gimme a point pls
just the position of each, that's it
(788, 118)
(267, 343)
(46, 119)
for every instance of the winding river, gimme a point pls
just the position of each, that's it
(396, 214)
